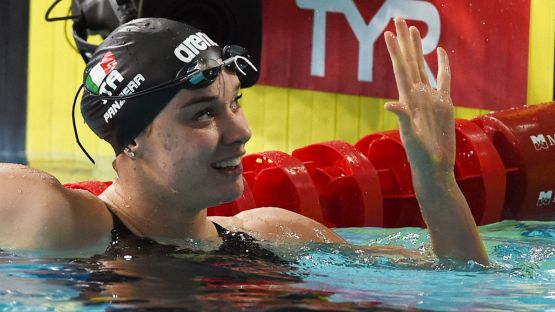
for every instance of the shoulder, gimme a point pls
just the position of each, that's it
(280, 225)
(37, 211)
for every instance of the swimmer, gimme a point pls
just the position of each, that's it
(166, 97)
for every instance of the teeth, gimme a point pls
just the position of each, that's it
(228, 163)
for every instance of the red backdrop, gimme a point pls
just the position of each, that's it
(487, 42)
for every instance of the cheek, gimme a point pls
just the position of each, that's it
(188, 164)
(189, 150)
(162, 148)
(183, 150)
(168, 142)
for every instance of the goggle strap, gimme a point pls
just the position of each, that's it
(170, 84)
(234, 60)
(156, 88)
(75, 126)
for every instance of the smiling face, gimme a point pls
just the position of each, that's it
(193, 148)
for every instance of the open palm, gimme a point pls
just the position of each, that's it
(425, 114)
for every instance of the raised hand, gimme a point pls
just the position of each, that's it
(425, 114)
(428, 133)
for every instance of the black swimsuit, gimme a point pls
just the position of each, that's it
(124, 242)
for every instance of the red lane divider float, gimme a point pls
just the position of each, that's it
(385, 151)
(347, 183)
(525, 139)
(277, 179)
(479, 172)
(94, 187)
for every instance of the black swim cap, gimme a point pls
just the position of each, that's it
(138, 69)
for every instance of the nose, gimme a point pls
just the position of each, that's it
(235, 129)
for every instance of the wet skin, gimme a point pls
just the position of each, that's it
(188, 159)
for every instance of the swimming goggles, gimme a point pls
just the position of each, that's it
(204, 72)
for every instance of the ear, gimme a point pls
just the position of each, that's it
(131, 149)
(140, 140)
(134, 145)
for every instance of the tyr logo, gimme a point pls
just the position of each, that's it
(367, 34)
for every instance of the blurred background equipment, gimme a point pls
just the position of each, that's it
(92, 17)
(225, 21)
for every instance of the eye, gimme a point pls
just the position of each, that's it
(204, 115)
(235, 105)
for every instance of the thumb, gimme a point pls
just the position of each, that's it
(401, 111)
(405, 123)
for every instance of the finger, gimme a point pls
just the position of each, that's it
(417, 45)
(407, 49)
(443, 72)
(402, 112)
(399, 66)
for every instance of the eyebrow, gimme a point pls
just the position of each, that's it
(199, 99)
(206, 98)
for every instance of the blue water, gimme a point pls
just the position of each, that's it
(316, 277)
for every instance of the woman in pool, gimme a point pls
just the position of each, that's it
(179, 143)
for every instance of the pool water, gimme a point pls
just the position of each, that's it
(315, 277)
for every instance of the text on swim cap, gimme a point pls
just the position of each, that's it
(192, 45)
(131, 87)
(111, 81)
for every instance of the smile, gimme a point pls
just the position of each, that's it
(232, 162)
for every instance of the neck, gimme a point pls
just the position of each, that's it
(149, 211)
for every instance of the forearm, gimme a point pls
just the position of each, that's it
(447, 214)
(427, 130)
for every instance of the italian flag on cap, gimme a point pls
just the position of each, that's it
(100, 71)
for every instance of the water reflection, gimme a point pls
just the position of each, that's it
(317, 277)
(192, 282)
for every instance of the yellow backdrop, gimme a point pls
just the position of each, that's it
(280, 118)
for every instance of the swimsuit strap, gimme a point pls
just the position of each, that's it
(124, 242)
(119, 228)
(242, 244)
(220, 229)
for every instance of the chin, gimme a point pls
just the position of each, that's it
(230, 192)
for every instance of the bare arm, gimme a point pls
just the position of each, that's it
(37, 212)
(428, 133)
(283, 226)
(279, 225)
